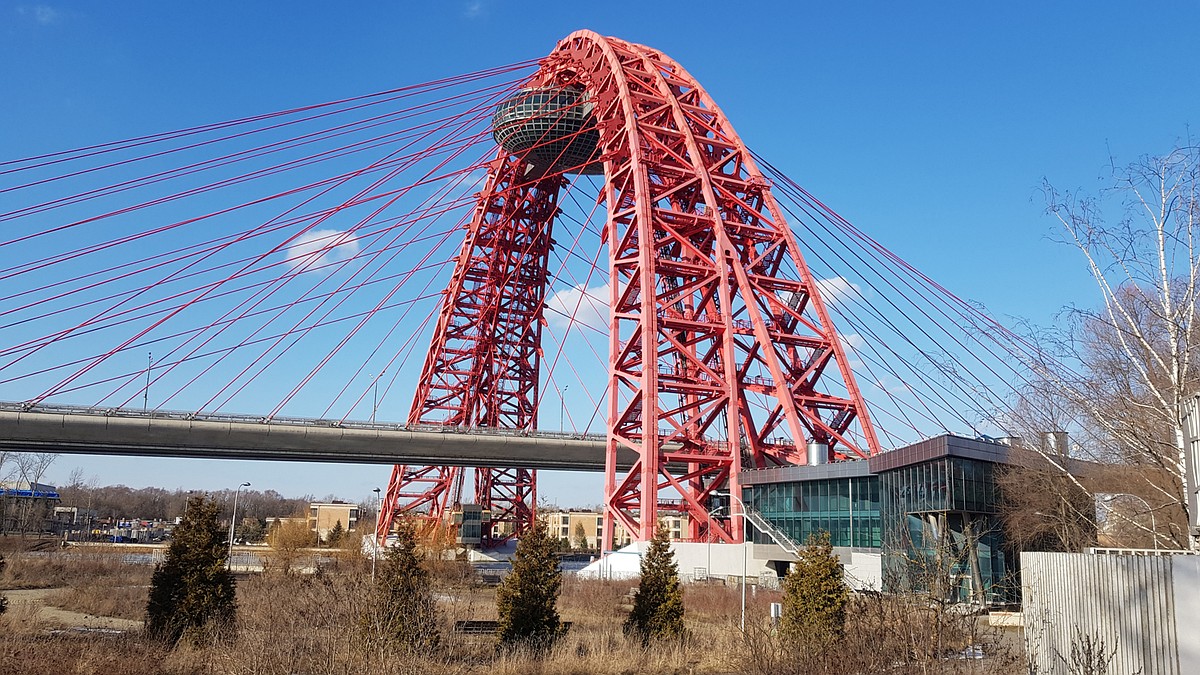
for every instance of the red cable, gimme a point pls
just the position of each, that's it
(326, 359)
(214, 186)
(342, 300)
(399, 193)
(343, 179)
(113, 146)
(260, 151)
(142, 372)
(162, 282)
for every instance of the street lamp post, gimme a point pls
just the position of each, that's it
(187, 498)
(375, 539)
(375, 396)
(232, 523)
(746, 521)
(146, 394)
(562, 407)
(1149, 509)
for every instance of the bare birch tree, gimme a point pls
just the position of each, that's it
(32, 467)
(1138, 239)
(5, 475)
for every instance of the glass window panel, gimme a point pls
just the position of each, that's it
(844, 494)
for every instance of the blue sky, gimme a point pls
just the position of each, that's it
(930, 126)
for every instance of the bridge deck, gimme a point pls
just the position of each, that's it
(79, 430)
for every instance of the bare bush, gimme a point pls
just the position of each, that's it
(310, 623)
(288, 540)
(892, 634)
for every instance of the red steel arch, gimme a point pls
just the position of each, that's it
(721, 346)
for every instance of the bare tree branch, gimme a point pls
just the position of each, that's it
(1134, 355)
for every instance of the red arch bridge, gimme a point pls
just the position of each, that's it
(584, 225)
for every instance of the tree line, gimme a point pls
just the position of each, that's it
(153, 503)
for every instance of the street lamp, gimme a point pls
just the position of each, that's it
(375, 539)
(187, 498)
(744, 552)
(1109, 498)
(146, 394)
(232, 523)
(375, 396)
(562, 406)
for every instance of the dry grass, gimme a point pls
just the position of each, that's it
(15, 543)
(86, 653)
(21, 619)
(322, 624)
(30, 646)
(122, 602)
(95, 580)
(895, 635)
(72, 567)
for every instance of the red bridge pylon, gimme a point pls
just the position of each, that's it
(722, 355)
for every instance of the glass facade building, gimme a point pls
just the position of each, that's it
(943, 533)
(846, 508)
(929, 509)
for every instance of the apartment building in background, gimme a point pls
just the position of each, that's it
(324, 516)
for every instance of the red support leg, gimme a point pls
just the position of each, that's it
(421, 493)
(719, 340)
(483, 365)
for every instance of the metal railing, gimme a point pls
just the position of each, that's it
(238, 418)
(763, 525)
(60, 409)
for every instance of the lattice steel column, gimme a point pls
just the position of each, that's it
(483, 365)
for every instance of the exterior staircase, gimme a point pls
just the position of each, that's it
(763, 525)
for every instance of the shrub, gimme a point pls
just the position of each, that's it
(526, 599)
(288, 541)
(191, 589)
(658, 604)
(814, 596)
(407, 614)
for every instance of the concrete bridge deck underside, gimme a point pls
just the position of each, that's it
(64, 429)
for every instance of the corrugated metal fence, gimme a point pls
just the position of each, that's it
(1137, 614)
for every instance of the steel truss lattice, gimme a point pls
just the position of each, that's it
(722, 354)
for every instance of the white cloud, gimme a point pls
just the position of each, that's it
(474, 9)
(852, 344)
(589, 307)
(321, 247)
(43, 14)
(892, 386)
(852, 341)
(838, 290)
